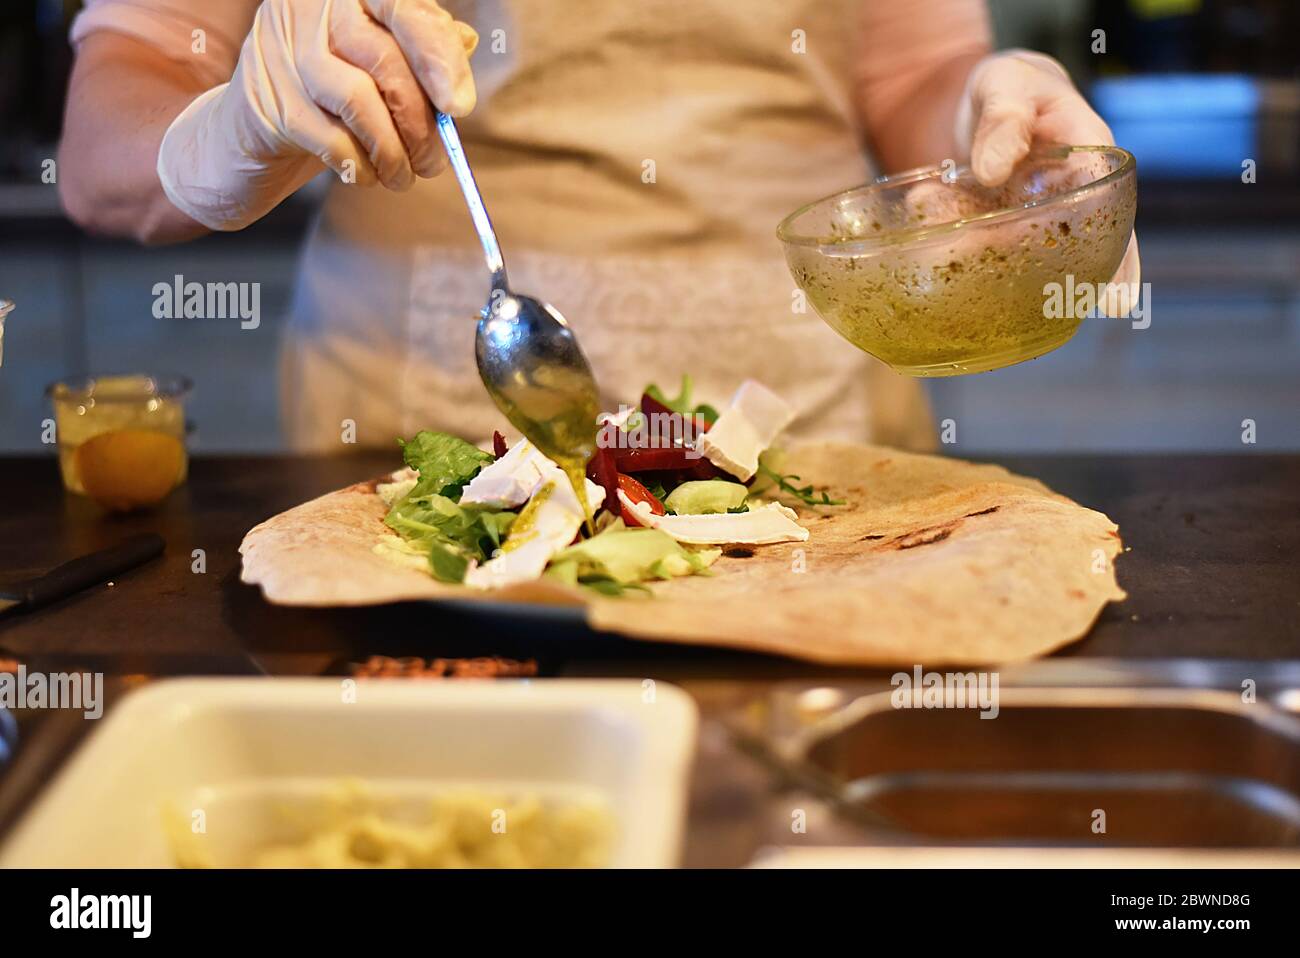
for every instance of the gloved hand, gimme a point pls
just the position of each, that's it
(343, 83)
(1016, 98)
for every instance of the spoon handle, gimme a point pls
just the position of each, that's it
(473, 199)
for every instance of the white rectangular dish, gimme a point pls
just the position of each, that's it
(235, 746)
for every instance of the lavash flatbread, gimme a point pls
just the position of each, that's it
(931, 560)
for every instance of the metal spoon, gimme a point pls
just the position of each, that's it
(528, 358)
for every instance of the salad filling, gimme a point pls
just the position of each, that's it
(669, 483)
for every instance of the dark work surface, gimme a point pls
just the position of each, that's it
(1213, 571)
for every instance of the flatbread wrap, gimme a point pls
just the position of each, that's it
(904, 559)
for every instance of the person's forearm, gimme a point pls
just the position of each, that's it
(919, 130)
(122, 98)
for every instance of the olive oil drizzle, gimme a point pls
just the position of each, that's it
(576, 470)
(522, 531)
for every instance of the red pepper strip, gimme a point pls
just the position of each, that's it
(602, 471)
(498, 444)
(636, 492)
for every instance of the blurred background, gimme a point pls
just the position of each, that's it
(1192, 87)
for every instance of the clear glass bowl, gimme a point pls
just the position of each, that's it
(937, 275)
(121, 439)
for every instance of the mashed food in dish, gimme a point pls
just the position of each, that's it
(462, 828)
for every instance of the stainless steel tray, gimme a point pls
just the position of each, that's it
(1095, 755)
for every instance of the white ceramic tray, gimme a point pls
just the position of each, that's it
(236, 745)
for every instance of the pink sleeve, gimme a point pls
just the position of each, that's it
(170, 25)
(900, 43)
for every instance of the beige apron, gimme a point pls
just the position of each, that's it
(636, 158)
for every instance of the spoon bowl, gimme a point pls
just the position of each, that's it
(535, 371)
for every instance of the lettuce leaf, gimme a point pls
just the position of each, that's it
(429, 517)
(445, 463)
(451, 534)
(626, 556)
(446, 563)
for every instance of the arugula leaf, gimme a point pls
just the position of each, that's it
(708, 412)
(445, 463)
(681, 403)
(805, 494)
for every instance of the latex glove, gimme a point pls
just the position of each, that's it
(1016, 98)
(344, 84)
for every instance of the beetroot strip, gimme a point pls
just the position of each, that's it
(602, 470)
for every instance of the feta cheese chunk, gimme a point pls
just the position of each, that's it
(618, 419)
(771, 522)
(748, 426)
(547, 524)
(511, 481)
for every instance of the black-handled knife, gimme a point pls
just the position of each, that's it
(81, 573)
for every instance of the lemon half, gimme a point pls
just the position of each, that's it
(126, 469)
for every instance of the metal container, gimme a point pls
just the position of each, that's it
(1095, 765)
